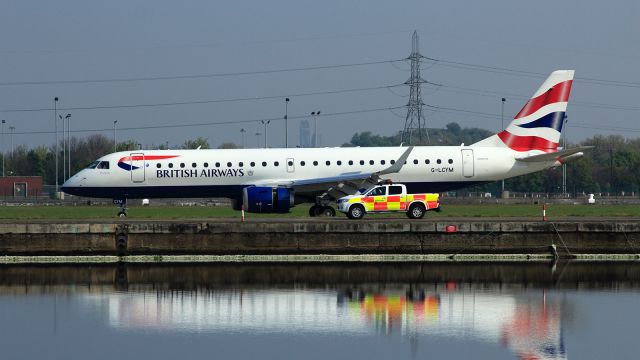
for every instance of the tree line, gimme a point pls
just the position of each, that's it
(41, 160)
(610, 167)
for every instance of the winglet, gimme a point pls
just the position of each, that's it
(398, 164)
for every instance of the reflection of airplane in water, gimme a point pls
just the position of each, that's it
(528, 324)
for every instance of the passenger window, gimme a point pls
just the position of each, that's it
(290, 163)
(252, 164)
(240, 164)
(264, 163)
(415, 161)
(361, 162)
(170, 165)
(315, 163)
(350, 162)
(194, 165)
(181, 165)
(229, 164)
(339, 162)
(103, 165)
(158, 165)
(217, 164)
(302, 163)
(371, 162)
(328, 163)
(206, 164)
(439, 161)
(450, 161)
(276, 163)
(382, 162)
(392, 162)
(395, 190)
(427, 161)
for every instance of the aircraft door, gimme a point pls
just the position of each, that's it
(467, 163)
(291, 167)
(137, 163)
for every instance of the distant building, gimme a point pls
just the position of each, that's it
(20, 187)
(305, 134)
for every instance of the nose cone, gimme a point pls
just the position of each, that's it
(74, 184)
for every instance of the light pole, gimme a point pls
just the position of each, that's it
(64, 151)
(55, 120)
(258, 138)
(114, 135)
(315, 114)
(564, 165)
(502, 128)
(265, 123)
(68, 117)
(12, 128)
(242, 131)
(286, 122)
(3, 121)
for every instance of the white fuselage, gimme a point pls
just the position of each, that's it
(224, 172)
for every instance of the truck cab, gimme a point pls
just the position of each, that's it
(388, 198)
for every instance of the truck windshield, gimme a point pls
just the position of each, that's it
(380, 190)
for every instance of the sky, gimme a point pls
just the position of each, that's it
(206, 53)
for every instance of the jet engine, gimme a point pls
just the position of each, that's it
(263, 199)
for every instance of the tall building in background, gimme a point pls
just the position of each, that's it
(305, 134)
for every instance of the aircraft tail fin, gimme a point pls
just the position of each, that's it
(539, 124)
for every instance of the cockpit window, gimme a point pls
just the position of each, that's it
(103, 165)
(93, 165)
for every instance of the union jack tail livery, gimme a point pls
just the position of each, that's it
(539, 124)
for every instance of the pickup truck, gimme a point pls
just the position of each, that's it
(388, 198)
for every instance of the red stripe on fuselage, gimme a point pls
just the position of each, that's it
(147, 157)
(558, 93)
(526, 143)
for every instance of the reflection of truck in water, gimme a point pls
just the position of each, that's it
(388, 198)
(526, 322)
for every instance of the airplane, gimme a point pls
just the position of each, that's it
(274, 180)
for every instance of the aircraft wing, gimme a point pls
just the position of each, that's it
(561, 155)
(343, 184)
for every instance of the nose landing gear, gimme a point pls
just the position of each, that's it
(122, 204)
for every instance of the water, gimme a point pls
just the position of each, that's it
(311, 311)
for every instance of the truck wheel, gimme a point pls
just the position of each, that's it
(355, 212)
(416, 211)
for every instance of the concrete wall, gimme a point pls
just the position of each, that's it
(319, 237)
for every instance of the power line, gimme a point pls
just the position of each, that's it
(324, 115)
(195, 76)
(492, 93)
(575, 124)
(525, 73)
(212, 101)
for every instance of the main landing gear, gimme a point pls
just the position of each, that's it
(321, 210)
(122, 204)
